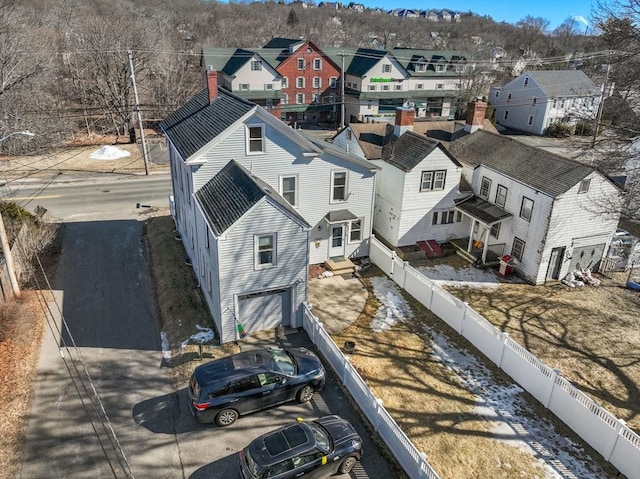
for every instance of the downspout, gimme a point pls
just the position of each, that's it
(373, 206)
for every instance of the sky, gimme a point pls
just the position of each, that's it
(510, 11)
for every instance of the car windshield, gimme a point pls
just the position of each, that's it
(323, 440)
(251, 464)
(284, 362)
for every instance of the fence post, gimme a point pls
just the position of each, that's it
(464, 318)
(393, 263)
(505, 336)
(621, 424)
(345, 368)
(378, 404)
(554, 378)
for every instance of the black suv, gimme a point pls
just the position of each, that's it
(249, 381)
(311, 449)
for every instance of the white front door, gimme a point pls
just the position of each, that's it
(336, 242)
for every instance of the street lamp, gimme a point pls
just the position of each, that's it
(6, 250)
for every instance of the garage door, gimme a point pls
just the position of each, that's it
(264, 310)
(586, 257)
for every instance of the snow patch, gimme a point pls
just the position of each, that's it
(109, 152)
(393, 307)
(166, 350)
(446, 275)
(204, 336)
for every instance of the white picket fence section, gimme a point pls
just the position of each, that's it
(412, 461)
(604, 432)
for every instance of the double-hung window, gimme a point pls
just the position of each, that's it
(299, 82)
(526, 209)
(517, 250)
(386, 68)
(256, 65)
(433, 180)
(501, 196)
(355, 230)
(265, 250)
(317, 82)
(255, 139)
(485, 188)
(300, 63)
(289, 189)
(339, 186)
(317, 64)
(285, 82)
(300, 98)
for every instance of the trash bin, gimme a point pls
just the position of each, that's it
(506, 265)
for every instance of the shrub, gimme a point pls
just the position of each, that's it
(584, 128)
(559, 130)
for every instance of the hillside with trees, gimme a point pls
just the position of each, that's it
(65, 71)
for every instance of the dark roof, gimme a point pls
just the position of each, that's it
(226, 197)
(564, 82)
(372, 137)
(410, 149)
(363, 60)
(544, 171)
(239, 58)
(482, 210)
(199, 121)
(339, 216)
(279, 42)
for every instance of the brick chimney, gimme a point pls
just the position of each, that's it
(212, 83)
(404, 120)
(476, 111)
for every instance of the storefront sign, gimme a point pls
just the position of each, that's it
(386, 80)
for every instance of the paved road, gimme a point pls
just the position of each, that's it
(105, 295)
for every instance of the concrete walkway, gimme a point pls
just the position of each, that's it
(337, 301)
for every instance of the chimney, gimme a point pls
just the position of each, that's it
(404, 120)
(475, 116)
(212, 83)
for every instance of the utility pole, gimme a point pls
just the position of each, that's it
(137, 109)
(601, 105)
(6, 249)
(342, 55)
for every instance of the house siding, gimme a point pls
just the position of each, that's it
(577, 221)
(238, 274)
(284, 157)
(350, 146)
(255, 79)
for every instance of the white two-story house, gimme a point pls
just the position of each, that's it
(537, 99)
(289, 202)
(552, 214)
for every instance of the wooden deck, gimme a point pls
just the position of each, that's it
(494, 252)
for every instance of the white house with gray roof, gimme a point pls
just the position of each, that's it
(537, 99)
(552, 214)
(311, 203)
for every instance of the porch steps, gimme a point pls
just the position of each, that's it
(430, 248)
(340, 265)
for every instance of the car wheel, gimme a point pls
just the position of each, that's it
(226, 417)
(347, 465)
(305, 394)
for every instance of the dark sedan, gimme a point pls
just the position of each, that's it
(249, 381)
(313, 449)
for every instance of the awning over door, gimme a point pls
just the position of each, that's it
(339, 216)
(481, 210)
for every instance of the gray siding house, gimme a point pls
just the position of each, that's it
(315, 206)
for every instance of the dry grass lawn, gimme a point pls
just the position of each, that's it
(21, 328)
(591, 334)
(429, 402)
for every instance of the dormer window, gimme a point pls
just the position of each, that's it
(440, 68)
(421, 67)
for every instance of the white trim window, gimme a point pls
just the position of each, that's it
(299, 82)
(386, 68)
(526, 208)
(317, 82)
(439, 86)
(244, 87)
(517, 250)
(338, 186)
(317, 64)
(300, 63)
(289, 189)
(441, 68)
(334, 80)
(256, 65)
(420, 86)
(485, 188)
(255, 139)
(285, 99)
(371, 87)
(433, 180)
(495, 230)
(501, 196)
(268, 86)
(355, 230)
(584, 186)
(299, 98)
(285, 82)
(265, 250)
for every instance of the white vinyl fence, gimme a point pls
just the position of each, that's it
(412, 461)
(604, 432)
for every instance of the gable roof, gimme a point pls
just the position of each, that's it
(363, 60)
(372, 137)
(564, 82)
(279, 42)
(239, 58)
(408, 150)
(199, 121)
(544, 171)
(231, 193)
